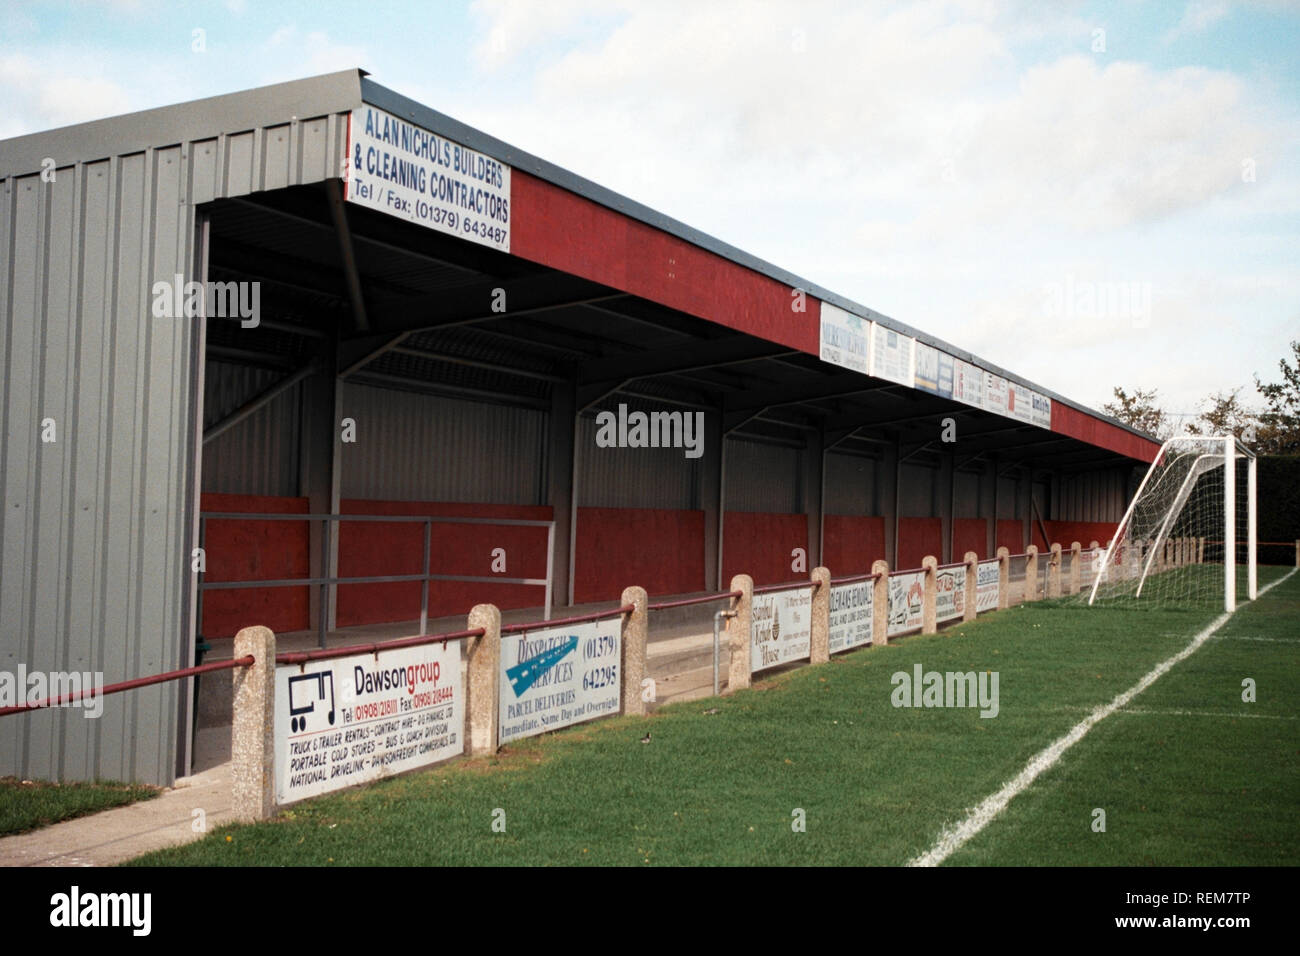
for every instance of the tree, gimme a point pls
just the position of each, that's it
(1225, 415)
(1139, 411)
(1279, 425)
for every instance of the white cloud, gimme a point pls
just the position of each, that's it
(38, 97)
(1199, 16)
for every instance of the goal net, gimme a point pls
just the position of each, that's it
(1188, 537)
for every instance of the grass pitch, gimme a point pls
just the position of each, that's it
(1185, 775)
(29, 805)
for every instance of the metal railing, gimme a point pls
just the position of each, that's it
(129, 685)
(327, 582)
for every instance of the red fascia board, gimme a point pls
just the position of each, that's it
(562, 230)
(557, 228)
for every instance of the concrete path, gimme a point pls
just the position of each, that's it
(113, 836)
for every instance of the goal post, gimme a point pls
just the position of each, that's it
(1195, 509)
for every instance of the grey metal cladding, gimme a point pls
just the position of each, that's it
(94, 528)
(764, 477)
(413, 447)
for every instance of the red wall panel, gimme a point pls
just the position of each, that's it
(852, 543)
(918, 537)
(249, 551)
(657, 549)
(376, 547)
(970, 534)
(759, 545)
(1011, 535)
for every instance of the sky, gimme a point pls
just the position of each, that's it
(1090, 195)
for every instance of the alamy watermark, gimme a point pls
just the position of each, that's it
(32, 688)
(1081, 299)
(177, 299)
(626, 429)
(949, 689)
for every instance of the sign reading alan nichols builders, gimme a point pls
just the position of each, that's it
(780, 628)
(353, 719)
(409, 172)
(557, 676)
(845, 339)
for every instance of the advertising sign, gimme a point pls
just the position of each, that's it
(1021, 402)
(851, 614)
(986, 586)
(557, 676)
(934, 370)
(1041, 410)
(891, 355)
(780, 628)
(406, 171)
(354, 719)
(906, 592)
(950, 597)
(845, 339)
(997, 395)
(968, 383)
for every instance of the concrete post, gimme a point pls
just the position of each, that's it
(1054, 572)
(880, 603)
(1031, 573)
(820, 651)
(738, 627)
(636, 630)
(252, 733)
(970, 597)
(1076, 570)
(929, 594)
(1004, 578)
(483, 669)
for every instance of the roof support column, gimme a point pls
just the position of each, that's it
(888, 474)
(320, 472)
(814, 489)
(947, 503)
(711, 497)
(561, 459)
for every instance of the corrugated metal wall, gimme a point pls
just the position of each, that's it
(851, 485)
(635, 477)
(414, 447)
(94, 567)
(763, 477)
(259, 456)
(1095, 495)
(918, 491)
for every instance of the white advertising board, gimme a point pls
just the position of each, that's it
(851, 614)
(1020, 401)
(845, 339)
(906, 592)
(986, 586)
(997, 395)
(406, 171)
(1041, 413)
(934, 370)
(968, 383)
(780, 629)
(891, 355)
(950, 594)
(553, 677)
(351, 720)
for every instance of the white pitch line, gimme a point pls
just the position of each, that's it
(1142, 711)
(1270, 640)
(955, 836)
